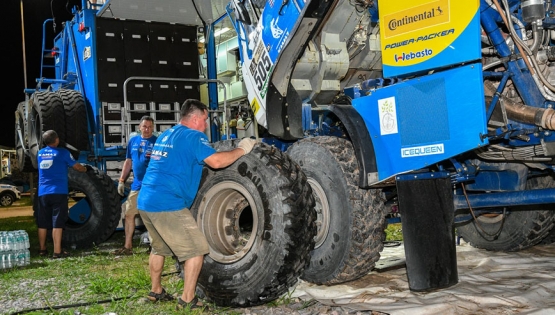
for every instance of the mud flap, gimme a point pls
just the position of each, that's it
(427, 214)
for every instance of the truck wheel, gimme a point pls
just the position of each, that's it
(517, 229)
(23, 160)
(47, 113)
(259, 220)
(7, 198)
(95, 209)
(351, 221)
(76, 119)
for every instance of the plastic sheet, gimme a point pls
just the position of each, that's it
(489, 283)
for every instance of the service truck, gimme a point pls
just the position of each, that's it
(442, 108)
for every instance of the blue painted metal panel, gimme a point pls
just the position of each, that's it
(422, 121)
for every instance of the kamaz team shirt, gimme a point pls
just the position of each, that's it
(139, 150)
(173, 175)
(53, 164)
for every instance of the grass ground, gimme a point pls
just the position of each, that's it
(94, 281)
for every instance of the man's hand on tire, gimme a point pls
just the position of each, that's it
(246, 144)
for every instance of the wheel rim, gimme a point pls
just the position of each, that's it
(322, 212)
(5, 200)
(227, 216)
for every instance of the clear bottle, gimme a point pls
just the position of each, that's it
(17, 240)
(3, 241)
(26, 239)
(6, 260)
(27, 257)
(10, 244)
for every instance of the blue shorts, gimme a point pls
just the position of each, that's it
(53, 211)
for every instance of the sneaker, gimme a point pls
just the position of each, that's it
(123, 251)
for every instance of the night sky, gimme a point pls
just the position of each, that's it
(35, 12)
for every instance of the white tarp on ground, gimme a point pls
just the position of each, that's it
(489, 283)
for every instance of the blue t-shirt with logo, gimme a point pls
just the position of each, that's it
(173, 175)
(53, 167)
(139, 150)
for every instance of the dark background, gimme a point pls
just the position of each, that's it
(35, 12)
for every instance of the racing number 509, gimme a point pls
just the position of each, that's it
(262, 70)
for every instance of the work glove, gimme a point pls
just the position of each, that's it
(121, 188)
(88, 167)
(246, 144)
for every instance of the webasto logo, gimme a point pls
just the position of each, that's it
(413, 55)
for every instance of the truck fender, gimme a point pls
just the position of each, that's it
(362, 143)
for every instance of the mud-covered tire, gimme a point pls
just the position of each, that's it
(46, 113)
(258, 217)
(21, 143)
(351, 220)
(76, 119)
(93, 191)
(519, 228)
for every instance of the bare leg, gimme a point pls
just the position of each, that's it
(129, 230)
(57, 239)
(42, 239)
(192, 271)
(156, 265)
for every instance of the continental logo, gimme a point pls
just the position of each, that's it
(426, 15)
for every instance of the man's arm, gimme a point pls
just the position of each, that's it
(224, 158)
(125, 170)
(79, 167)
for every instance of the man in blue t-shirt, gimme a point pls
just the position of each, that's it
(169, 187)
(138, 153)
(52, 212)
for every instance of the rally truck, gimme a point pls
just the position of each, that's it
(442, 109)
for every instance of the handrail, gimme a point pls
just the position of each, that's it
(125, 125)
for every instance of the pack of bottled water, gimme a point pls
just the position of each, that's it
(14, 249)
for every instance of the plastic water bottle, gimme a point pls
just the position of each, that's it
(27, 257)
(16, 241)
(27, 244)
(6, 260)
(11, 241)
(3, 241)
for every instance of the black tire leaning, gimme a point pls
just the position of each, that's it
(23, 159)
(258, 216)
(47, 113)
(351, 220)
(519, 228)
(76, 119)
(101, 196)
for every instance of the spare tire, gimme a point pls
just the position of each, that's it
(21, 144)
(258, 217)
(76, 119)
(96, 213)
(46, 113)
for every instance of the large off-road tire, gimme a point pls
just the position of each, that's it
(517, 229)
(23, 159)
(47, 113)
(258, 217)
(76, 119)
(351, 220)
(97, 211)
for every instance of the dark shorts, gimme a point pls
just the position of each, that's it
(175, 233)
(52, 212)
